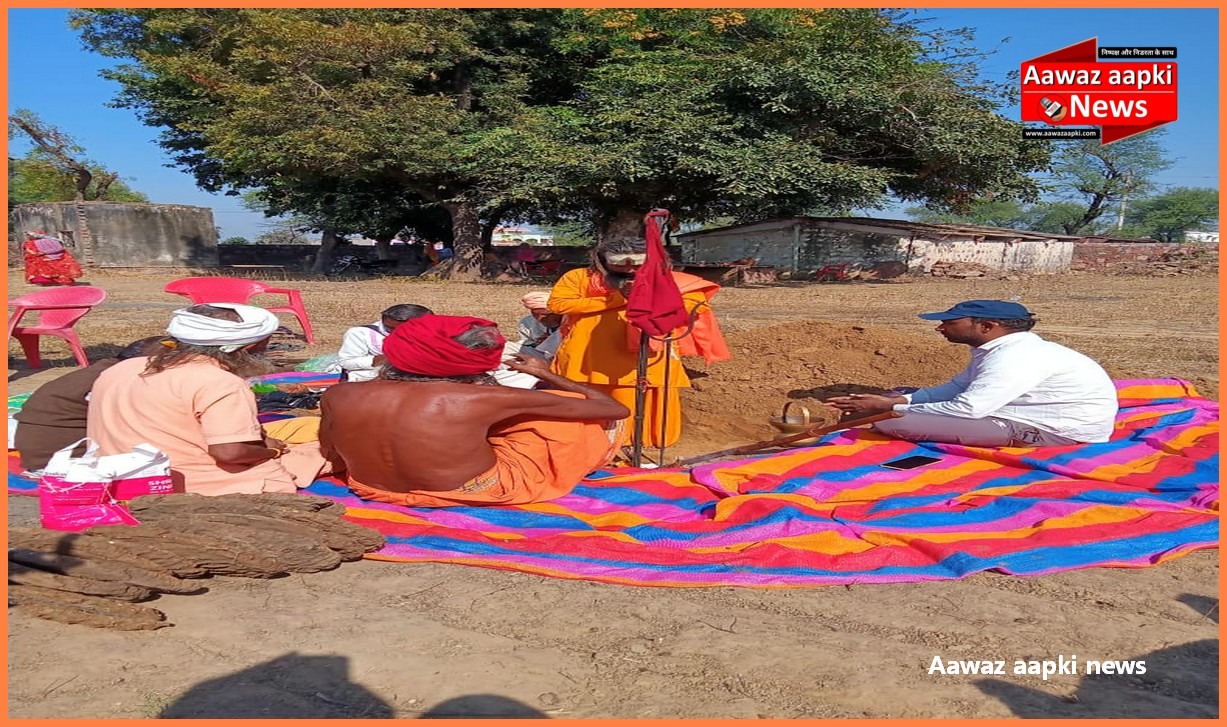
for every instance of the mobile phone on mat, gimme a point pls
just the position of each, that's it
(910, 463)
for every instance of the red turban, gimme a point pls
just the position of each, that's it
(427, 345)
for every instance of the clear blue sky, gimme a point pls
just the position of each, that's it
(62, 85)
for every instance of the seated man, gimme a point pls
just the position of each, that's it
(436, 430)
(361, 354)
(1019, 390)
(191, 401)
(54, 415)
(539, 338)
(540, 329)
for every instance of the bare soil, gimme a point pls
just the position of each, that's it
(374, 639)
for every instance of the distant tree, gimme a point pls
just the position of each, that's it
(1168, 216)
(57, 170)
(283, 235)
(572, 234)
(1007, 214)
(1098, 177)
(1058, 217)
(236, 240)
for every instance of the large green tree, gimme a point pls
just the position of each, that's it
(545, 115)
(297, 102)
(750, 114)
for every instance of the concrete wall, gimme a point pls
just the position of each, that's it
(770, 243)
(1095, 255)
(128, 235)
(806, 245)
(1031, 256)
(824, 245)
(300, 257)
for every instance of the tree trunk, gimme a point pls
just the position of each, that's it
(466, 243)
(383, 246)
(323, 258)
(1093, 212)
(623, 224)
(487, 232)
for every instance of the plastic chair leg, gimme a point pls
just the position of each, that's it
(306, 327)
(77, 350)
(29, 346)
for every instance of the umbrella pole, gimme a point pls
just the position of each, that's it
(664, 402)
(641, 393)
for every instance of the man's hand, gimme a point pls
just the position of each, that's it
(276, 444)
(864, 404)
(530, 365)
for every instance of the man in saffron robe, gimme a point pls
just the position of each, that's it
(600, 348)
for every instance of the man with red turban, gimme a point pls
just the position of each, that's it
(435, 429)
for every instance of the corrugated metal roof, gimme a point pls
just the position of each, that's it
(937, 230)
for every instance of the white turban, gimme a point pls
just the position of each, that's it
(536, 299)
(193, 328)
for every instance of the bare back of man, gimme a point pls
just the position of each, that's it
(403, 436)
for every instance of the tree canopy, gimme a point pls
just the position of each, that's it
(384, 117)
(1100, 176)
(1169, 215)
(55, 169)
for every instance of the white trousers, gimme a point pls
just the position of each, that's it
(987, 432)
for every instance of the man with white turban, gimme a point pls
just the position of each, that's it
(191, 401)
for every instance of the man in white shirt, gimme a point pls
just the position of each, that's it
(361, 354)
(1018, 390)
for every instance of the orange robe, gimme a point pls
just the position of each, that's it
(596, 348)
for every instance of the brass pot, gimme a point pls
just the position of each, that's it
(795, 424)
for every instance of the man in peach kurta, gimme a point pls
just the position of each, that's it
(200, 413)
(600, 348)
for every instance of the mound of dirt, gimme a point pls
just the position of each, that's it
(806, 362)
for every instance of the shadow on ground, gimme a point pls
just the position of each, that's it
(1179, 682)
(288, 687)
(482, 706)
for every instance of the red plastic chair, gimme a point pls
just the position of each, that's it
(239, 290)
(833, 272)
(58, 311)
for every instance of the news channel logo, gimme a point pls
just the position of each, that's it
(1053, 109)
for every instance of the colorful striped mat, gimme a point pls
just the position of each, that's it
(831, 514)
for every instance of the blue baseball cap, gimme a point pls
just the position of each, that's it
(1000, 309)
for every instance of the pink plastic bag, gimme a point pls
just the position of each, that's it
(143, 471)
(75, 494)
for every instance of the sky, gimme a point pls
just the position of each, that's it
(61, 84)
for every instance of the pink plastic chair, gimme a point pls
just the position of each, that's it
(58, 311)
(239, 290)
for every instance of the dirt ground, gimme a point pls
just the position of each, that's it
(375, 639)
